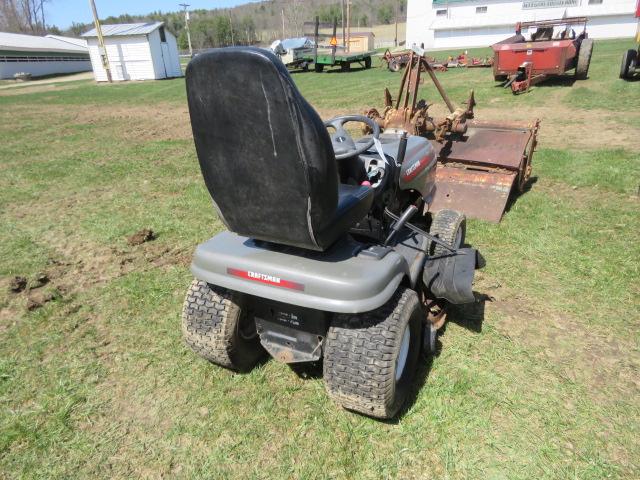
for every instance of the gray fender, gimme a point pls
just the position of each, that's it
(341, 280)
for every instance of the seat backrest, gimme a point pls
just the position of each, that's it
(265, 155)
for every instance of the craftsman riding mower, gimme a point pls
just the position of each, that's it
(331, 250)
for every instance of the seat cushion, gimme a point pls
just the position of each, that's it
(354, 202)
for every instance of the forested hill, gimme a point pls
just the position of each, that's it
(260, 22)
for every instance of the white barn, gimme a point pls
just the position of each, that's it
(41, 56)
(136, 51)
(442, 24)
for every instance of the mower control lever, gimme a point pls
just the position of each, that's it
(415, 229)
(400, 222)
(343, 144)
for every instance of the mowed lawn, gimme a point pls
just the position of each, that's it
(96, 382)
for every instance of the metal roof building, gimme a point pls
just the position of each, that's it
(136, 51)
(443, 24)
(41, 56)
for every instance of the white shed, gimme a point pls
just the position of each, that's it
(136, 51)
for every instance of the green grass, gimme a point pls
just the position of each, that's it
(97, 383)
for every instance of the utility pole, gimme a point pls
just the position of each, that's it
(186, 24)
(231, 28)
(348, 25)
(283, 34)
(344, 38)
(44, 25)
(103, 54)
(395, 40)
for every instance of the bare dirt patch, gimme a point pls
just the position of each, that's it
(142, 236)
(606, 364)
(9, 92)
(17, 284)
(140, 122)
(562, 127)
(38, 299)
(584, 195)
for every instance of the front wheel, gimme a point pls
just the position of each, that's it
(629, 60)
(370, 358)
(367, 62)
(449, 226)
(217, 328)
(318, 67)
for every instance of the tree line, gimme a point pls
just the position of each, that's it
(248, 24)
(23, 16)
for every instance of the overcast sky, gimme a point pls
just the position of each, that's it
(63, 12)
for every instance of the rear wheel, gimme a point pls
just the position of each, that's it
(318, 67)
(215, 326)
(500, 78)
(370, 358)
(629, 60)
(584, 59)
(367, 62)
(345, 66)
(449, 226)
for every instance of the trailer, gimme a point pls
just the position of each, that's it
(552, 49)
(331, 55)
(293, 52)
(330, 58)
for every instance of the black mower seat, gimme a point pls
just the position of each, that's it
(265, 154)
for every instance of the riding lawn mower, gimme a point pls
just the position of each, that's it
(332, 252)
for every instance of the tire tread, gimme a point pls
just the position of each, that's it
(360, 355)
(210, 317)
(445, 224)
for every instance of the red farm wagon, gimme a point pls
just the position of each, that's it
(547, 48)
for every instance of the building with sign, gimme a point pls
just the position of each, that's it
(442, 24)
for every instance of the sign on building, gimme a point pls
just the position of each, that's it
(530, 4)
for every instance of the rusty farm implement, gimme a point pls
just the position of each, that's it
(479, 163)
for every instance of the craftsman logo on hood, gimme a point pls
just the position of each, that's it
(414, 169)
(265, 278)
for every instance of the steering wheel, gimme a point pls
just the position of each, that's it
(343, 144)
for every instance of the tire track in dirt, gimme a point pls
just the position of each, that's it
(609, 366)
